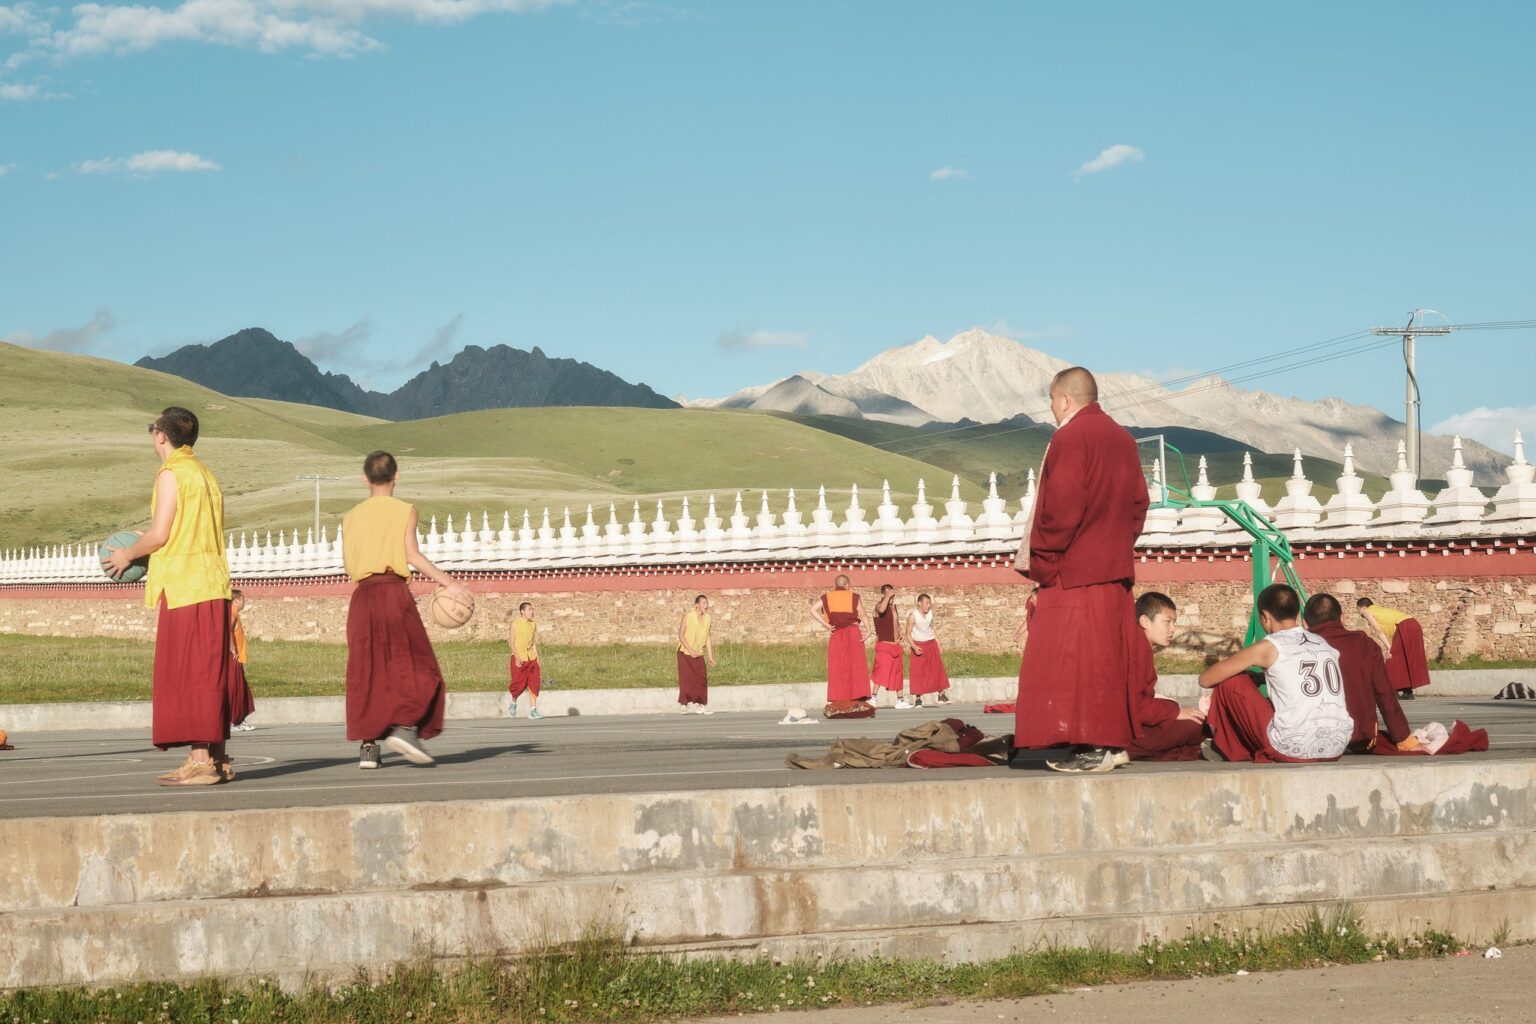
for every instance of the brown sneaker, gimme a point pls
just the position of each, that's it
(226, 768)
(174, 771)
(192, 773)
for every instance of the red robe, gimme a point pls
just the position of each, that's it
(525, 677)
(1076, 675)
(888, 671)
(1366, 684)
(1239, 722)
(847, 671)
(1407, 667)
(191, 695)
(928, 672)
(692, 679)
(1159, 734)
(392, 673)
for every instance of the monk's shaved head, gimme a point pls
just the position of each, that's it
(841, 583)
(1077, 384)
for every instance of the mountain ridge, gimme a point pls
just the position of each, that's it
(988, 378)
(254, 363)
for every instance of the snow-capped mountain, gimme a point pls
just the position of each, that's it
(987, 378)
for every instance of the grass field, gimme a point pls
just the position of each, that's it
(599, 980)
(50, 670)
(74, 449)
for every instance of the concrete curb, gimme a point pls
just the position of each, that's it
(24, 718)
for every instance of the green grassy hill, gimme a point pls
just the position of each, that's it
(75, 452)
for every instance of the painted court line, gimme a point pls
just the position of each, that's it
(406, 785)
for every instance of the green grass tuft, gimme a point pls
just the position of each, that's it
(597, 980)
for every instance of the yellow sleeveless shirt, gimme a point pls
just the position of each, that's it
(696, 631)
(191, 567)
(373, 537)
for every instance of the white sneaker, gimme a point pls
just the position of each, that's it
(902, 705)
(405, 745)
(702, 709)
(243, 727)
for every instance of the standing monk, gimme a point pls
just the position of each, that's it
(847, 671)
(1401, 636)
(888, 674)
(693, 646)
(929, 678)
(1076, 674)
(526, 673)
(189, 582)
(394, 687)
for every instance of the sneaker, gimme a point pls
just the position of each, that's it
(396, 740)
(902, 705)
(1088, 759)
(1405, 695)
(226, 768)
(509, 708)
(702, 709)
(534, 714)
(686, 709)
(1208, 751)
(368, 756)
(192, 773)
(1120, 759)
(943, 698)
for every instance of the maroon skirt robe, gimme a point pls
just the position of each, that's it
(392, 674)
(191, 693)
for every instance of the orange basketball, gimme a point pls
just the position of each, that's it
(3, 737)
(449, 612)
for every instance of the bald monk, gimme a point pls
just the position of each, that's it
(847, 671)
(188, 582)
(1367, 687)
(1075, 675)
(1402, 638)
(1164, 730)
(394, 686)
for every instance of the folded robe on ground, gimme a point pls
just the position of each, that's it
(950, 735)
(1463, 739)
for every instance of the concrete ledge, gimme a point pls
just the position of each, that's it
(959, 866)
(130, 715)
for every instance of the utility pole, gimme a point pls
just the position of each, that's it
(317, 480)
(1410, 333)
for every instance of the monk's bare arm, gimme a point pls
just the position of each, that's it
(154, 538)
(818, 615)
(1257, 655)
(1374, 628)
(421, 564)
(709, 649)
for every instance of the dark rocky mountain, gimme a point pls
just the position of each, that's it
(255, 364)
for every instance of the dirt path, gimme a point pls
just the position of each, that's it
(1462, 990)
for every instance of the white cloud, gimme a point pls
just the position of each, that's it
(68, 339)
(1494, 427)
(437, 346)
(326, 347)
(15, 93)
(945, 173)
(151, 161)
(6, 169)
(21, 19)
(1114, 156)
(740, 340)
(321, 27)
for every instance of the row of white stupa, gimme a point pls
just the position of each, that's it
(1460, 509)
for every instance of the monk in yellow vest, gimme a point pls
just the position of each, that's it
(1402, 640)
(394, 686)
(188, 581)
(693, 646)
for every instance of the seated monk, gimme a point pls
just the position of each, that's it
(1305, 717)
(1367, 687)
(1164, 731)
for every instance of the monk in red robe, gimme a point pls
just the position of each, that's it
(847, 671)
(888, 675)
(1401, 636)
(1166, 731)
(1075, 676)
(1367, 687)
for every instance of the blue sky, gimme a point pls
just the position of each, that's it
(706, 196)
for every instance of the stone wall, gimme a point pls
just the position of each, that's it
(1494, 617)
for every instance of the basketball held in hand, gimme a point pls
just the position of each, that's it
(124, 539)
(448, 611)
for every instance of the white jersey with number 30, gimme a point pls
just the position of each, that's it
(1306, 687)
